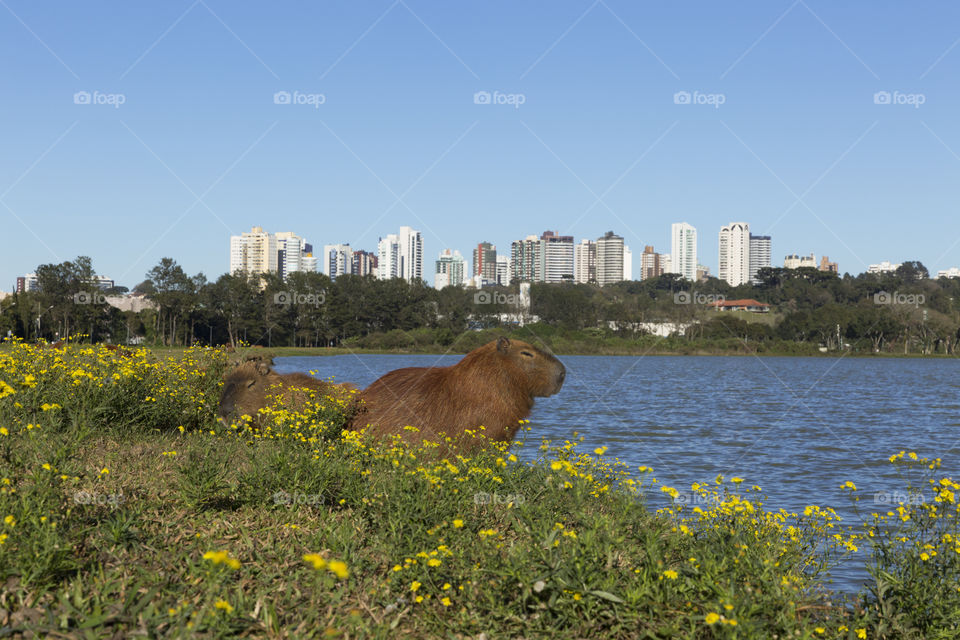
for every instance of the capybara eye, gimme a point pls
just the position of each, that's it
(526, 353)
(251, 383)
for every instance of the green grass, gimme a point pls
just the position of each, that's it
(115, 526)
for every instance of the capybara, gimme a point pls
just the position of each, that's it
(248, 388)
(492, 386)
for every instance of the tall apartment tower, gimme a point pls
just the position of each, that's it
(450, 268)
(585, 261)
(759, 255)
(400, 255)
(650, 263)
(734, 264)
(293, 254)
(683, 250)
(557, 256)
(253, 252)
(337, 260)
(411, 254)
(609, 258)
(388, 257)
(627, 263)
(485, 261)
(526, 263)
(364, 263)
(503, 271)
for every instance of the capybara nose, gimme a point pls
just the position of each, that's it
(561, 376)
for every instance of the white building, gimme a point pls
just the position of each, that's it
(734, 254)
(401, 255)
(683, 250)
(450, 269)
(759, 255)
(666, 263)
(627, 263)
(585, 261)
(609, 258)
(883, 267)
(258, 251)
(503, 271)
(794, 261)
(293, 254)
(557, 255)
(337, 260)
(952, 272)
(253, 252)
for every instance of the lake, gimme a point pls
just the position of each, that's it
(798, 427)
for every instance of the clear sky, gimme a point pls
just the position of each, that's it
(198, 150)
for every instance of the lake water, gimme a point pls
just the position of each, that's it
(798, 427)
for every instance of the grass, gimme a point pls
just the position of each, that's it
(125, 509)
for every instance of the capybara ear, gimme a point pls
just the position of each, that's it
(263, 368)
(503, 344)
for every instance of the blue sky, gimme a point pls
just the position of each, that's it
(199, 150)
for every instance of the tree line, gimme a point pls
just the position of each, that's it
(903, 311)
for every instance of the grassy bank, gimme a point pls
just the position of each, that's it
(126, 509)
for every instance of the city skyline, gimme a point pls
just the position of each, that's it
(174, 124)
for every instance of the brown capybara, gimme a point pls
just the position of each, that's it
(493, 386)
(249, 387)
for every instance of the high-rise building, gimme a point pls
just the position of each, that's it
(609, 258)
(293, 254)
(388, 257)
(759, 255)
(258, 251)
(253, 252)
(503, 271)
(735, 253)
(557, 256)
(683, 250)
(364, 263)
(826, 265)
(627, 263)
(666, 263)
(585, 261)
(485, 261)
(400, 255)
(651, 264)
(411, 254)
(794, 261)
(450, 269)
(526, 263)
(337, 260)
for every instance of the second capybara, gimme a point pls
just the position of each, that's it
(249, 387)
(493, 386)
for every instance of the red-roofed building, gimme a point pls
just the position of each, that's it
(741, 305)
